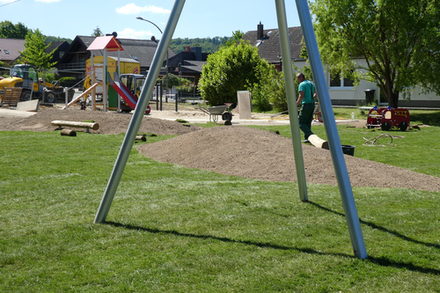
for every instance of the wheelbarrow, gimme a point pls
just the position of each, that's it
(215, 112)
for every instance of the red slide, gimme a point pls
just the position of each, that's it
(123, 91)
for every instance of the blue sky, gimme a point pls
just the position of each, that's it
(200, 18)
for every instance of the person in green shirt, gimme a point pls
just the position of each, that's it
(306, 99)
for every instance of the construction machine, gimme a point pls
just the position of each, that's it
(25, 76)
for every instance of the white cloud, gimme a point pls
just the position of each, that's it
(132, 8)
(6, 1)
(47, 1)
(129, 33)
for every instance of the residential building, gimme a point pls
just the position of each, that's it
(10, 50)
(342, 90)
(73, 62)
(188, 63)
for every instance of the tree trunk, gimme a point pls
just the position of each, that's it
(394, 100)
(390, 94)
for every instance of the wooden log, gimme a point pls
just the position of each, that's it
(68, 132)
(85, 93)
(141, 137)
(318, 142)
(88, 125)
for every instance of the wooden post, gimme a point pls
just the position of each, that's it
(104, 81)
(119, 74)
(93, 79)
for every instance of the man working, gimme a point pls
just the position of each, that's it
(306, 98)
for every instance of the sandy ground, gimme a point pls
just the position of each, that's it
(233, 150)
(254, 153)
(109, 122)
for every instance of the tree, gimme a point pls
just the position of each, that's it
(34, 52)
(8, 30)
(170, 80)
(399, 40)
(237, 66)
(97, 32)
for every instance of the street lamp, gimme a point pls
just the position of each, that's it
(141, 18)
(166, 61)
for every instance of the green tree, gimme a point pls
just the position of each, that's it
(170, 80)
(209, 45)
(8, 30)
(399, 39)
(34, 52)
(236, 67)
(97, 32)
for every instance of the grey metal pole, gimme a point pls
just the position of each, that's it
(136, 119)
(332, 132)
(291, 99)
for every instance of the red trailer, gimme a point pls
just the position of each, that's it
(386, 118)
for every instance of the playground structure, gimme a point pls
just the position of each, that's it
(388, 117)
(345, 188)
(128, 96)
(102, 77)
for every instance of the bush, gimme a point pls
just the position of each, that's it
(233, 68)
(278, 93)
(67, 81)
(170, 80)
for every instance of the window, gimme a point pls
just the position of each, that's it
(336, 80)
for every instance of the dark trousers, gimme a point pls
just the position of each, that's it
(306, 118)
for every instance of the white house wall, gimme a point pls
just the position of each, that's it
(356, 95)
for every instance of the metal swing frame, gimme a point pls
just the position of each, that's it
(343, 179)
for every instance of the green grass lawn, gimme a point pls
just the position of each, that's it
(173, 229)
(417, 150)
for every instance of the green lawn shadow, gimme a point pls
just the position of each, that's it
(382, 261)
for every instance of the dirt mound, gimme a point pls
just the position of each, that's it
(109, 122)
(254, 153)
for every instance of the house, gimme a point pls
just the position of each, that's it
(73, 63)
(59, 49)
(342, 90)
(268, 44)
(10, 50)
(188, 63)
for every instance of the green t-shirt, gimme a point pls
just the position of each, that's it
(309, 90)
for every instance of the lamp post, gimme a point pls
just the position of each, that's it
(166, 61)
(149, 21)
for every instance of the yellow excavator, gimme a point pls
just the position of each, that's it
(25, 76)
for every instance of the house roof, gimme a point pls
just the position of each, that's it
(10, 49)
(140, 50)
(192, 65)
(109, 43)
(269, 45)
(127, 60)
(56, 45)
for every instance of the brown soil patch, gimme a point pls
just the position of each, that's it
(109, 122)
(254, 153)
(240, 151)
